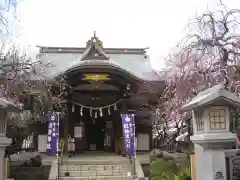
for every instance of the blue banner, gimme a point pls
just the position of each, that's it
(128, 124)
(53, 134)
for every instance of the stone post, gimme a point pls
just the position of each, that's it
(4, 141)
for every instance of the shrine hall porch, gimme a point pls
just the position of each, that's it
(83, 143)
(102, 134)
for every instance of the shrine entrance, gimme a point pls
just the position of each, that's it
(95, 130)
(97, 100)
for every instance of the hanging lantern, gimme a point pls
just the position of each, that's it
(73, 108)
(109, 110)
(96, 115)
(81, 111)
(100, 111)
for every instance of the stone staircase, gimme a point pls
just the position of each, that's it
(95, 170)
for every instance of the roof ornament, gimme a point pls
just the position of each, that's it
(94, 37)
(94, 40)
(94, 49)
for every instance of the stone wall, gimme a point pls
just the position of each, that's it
(29, 173)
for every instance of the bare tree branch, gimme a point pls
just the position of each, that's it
(210, 54)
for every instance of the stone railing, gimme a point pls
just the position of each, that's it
(139, 170)
(233, 164)
(53, 175)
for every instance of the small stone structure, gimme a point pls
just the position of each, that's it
(212, 127)
(5, 107)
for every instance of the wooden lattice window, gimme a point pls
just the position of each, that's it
(200, 121)
(217, 118)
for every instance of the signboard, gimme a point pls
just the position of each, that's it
(78, 132)
(128, 124)
(53, 134)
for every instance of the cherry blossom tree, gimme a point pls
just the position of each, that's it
(207, 56)
(9, 24)
(21, 77)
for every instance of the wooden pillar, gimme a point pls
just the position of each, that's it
(66, 132)
(117, 131)
(66, 135)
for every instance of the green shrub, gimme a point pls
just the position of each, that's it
(185, 178)
(168, 170)
(184, 173)
(163, 170)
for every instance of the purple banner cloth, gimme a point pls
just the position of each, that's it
(53, 134)
(128, 124)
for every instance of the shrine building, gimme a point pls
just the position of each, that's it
(105, 83)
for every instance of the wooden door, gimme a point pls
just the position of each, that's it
(79, 137)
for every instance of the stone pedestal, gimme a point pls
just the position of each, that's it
(4, 141)
(210, 155)
(210, 164)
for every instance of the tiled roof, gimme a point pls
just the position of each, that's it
(134, 64)
(134, 61)
(211, 95)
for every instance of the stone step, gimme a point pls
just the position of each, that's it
(98, 178)
(96, 173)
(65, 167)
(94, 162)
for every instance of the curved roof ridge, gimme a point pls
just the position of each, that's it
(109, 62)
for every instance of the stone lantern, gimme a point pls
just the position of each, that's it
(212, 126)
(5, 107)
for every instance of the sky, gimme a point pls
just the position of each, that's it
(158, 24)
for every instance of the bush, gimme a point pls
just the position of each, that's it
(168, 170)
(163, 170)
(184, 173)
(185, 178)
